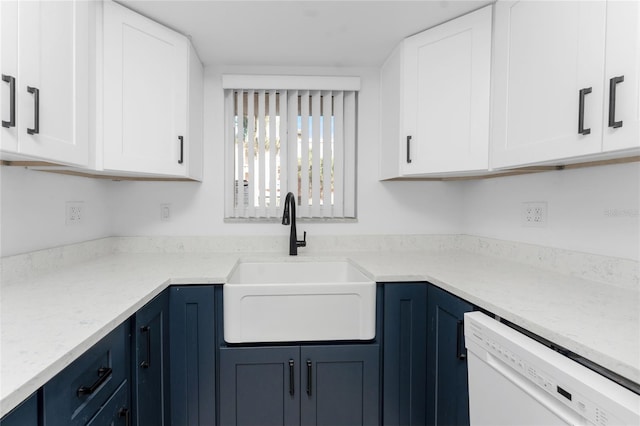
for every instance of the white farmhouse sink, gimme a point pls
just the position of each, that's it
(298, 300)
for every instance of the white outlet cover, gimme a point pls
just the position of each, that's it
(165, 212)
(74, 212)
(534, 214)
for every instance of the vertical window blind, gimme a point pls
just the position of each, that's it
(285, 140)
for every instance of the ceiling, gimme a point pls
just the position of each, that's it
(328, 33)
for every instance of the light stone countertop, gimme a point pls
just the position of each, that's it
(49, 319)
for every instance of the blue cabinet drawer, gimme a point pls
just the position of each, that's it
(80, 390)
(116, 411)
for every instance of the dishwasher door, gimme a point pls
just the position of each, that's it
(515, 380)
(504, 401)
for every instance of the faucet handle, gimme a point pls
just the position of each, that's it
(302, 243)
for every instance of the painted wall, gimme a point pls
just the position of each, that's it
(33, 208)
(593, 210)
(198, 209)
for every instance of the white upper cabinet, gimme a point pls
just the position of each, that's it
(550, 92)
(622, 76)
(435, 100)
(45, 62)
(9, 67)
(148, 99)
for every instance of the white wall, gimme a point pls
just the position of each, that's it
(593, 210)
(33, 207)
(197, 208)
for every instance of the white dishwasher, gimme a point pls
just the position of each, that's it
(515, 380)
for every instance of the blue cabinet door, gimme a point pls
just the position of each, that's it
(447, 393)
(328, 385)
(193, 358)
(25, 414)
(340, 385)
(260, 386)
(405, 354)
(151, 362)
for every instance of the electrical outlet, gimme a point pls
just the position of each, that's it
(74, 213)
(534, 214)
(165, 212)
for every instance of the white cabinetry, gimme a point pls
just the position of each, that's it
(551, 94)
(152, 96)
(622, 60)
(45, 63)
(9, 67)
(435, 100)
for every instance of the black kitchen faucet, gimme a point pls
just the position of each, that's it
(289, 217)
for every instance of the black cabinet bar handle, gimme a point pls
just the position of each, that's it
(292, 389)
(613, 83)
(408, 149)
(12, 101)
(126, 413)
(147, 362)
(103, 374)
(460, 353)
(181, 139)
(581, 129)
(36, 110)
(309, 376)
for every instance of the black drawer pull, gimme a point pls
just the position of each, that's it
(124, 412)
(103, 375)
(147, 362)
(581, 129)
(292, 389)
(309, 376)
(613, 83)
(460, 353)
(408, 149)
(12, 101)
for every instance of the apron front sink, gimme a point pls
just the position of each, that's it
(298, 300)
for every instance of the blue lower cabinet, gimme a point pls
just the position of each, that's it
(260, 386)
(291, 385)
(150, 367)
(76, 394)
(404, 369)
(422, 379)
(340, 385)
(193, 357)
(447, 385)
(25, 414)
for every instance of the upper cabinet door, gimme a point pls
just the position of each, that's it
(446, 96)
(51, 79)
(145, 94)
(9, 67)
(434, 101)
(622, 76)
(547, 77)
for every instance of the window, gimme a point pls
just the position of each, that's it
(289, 139)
